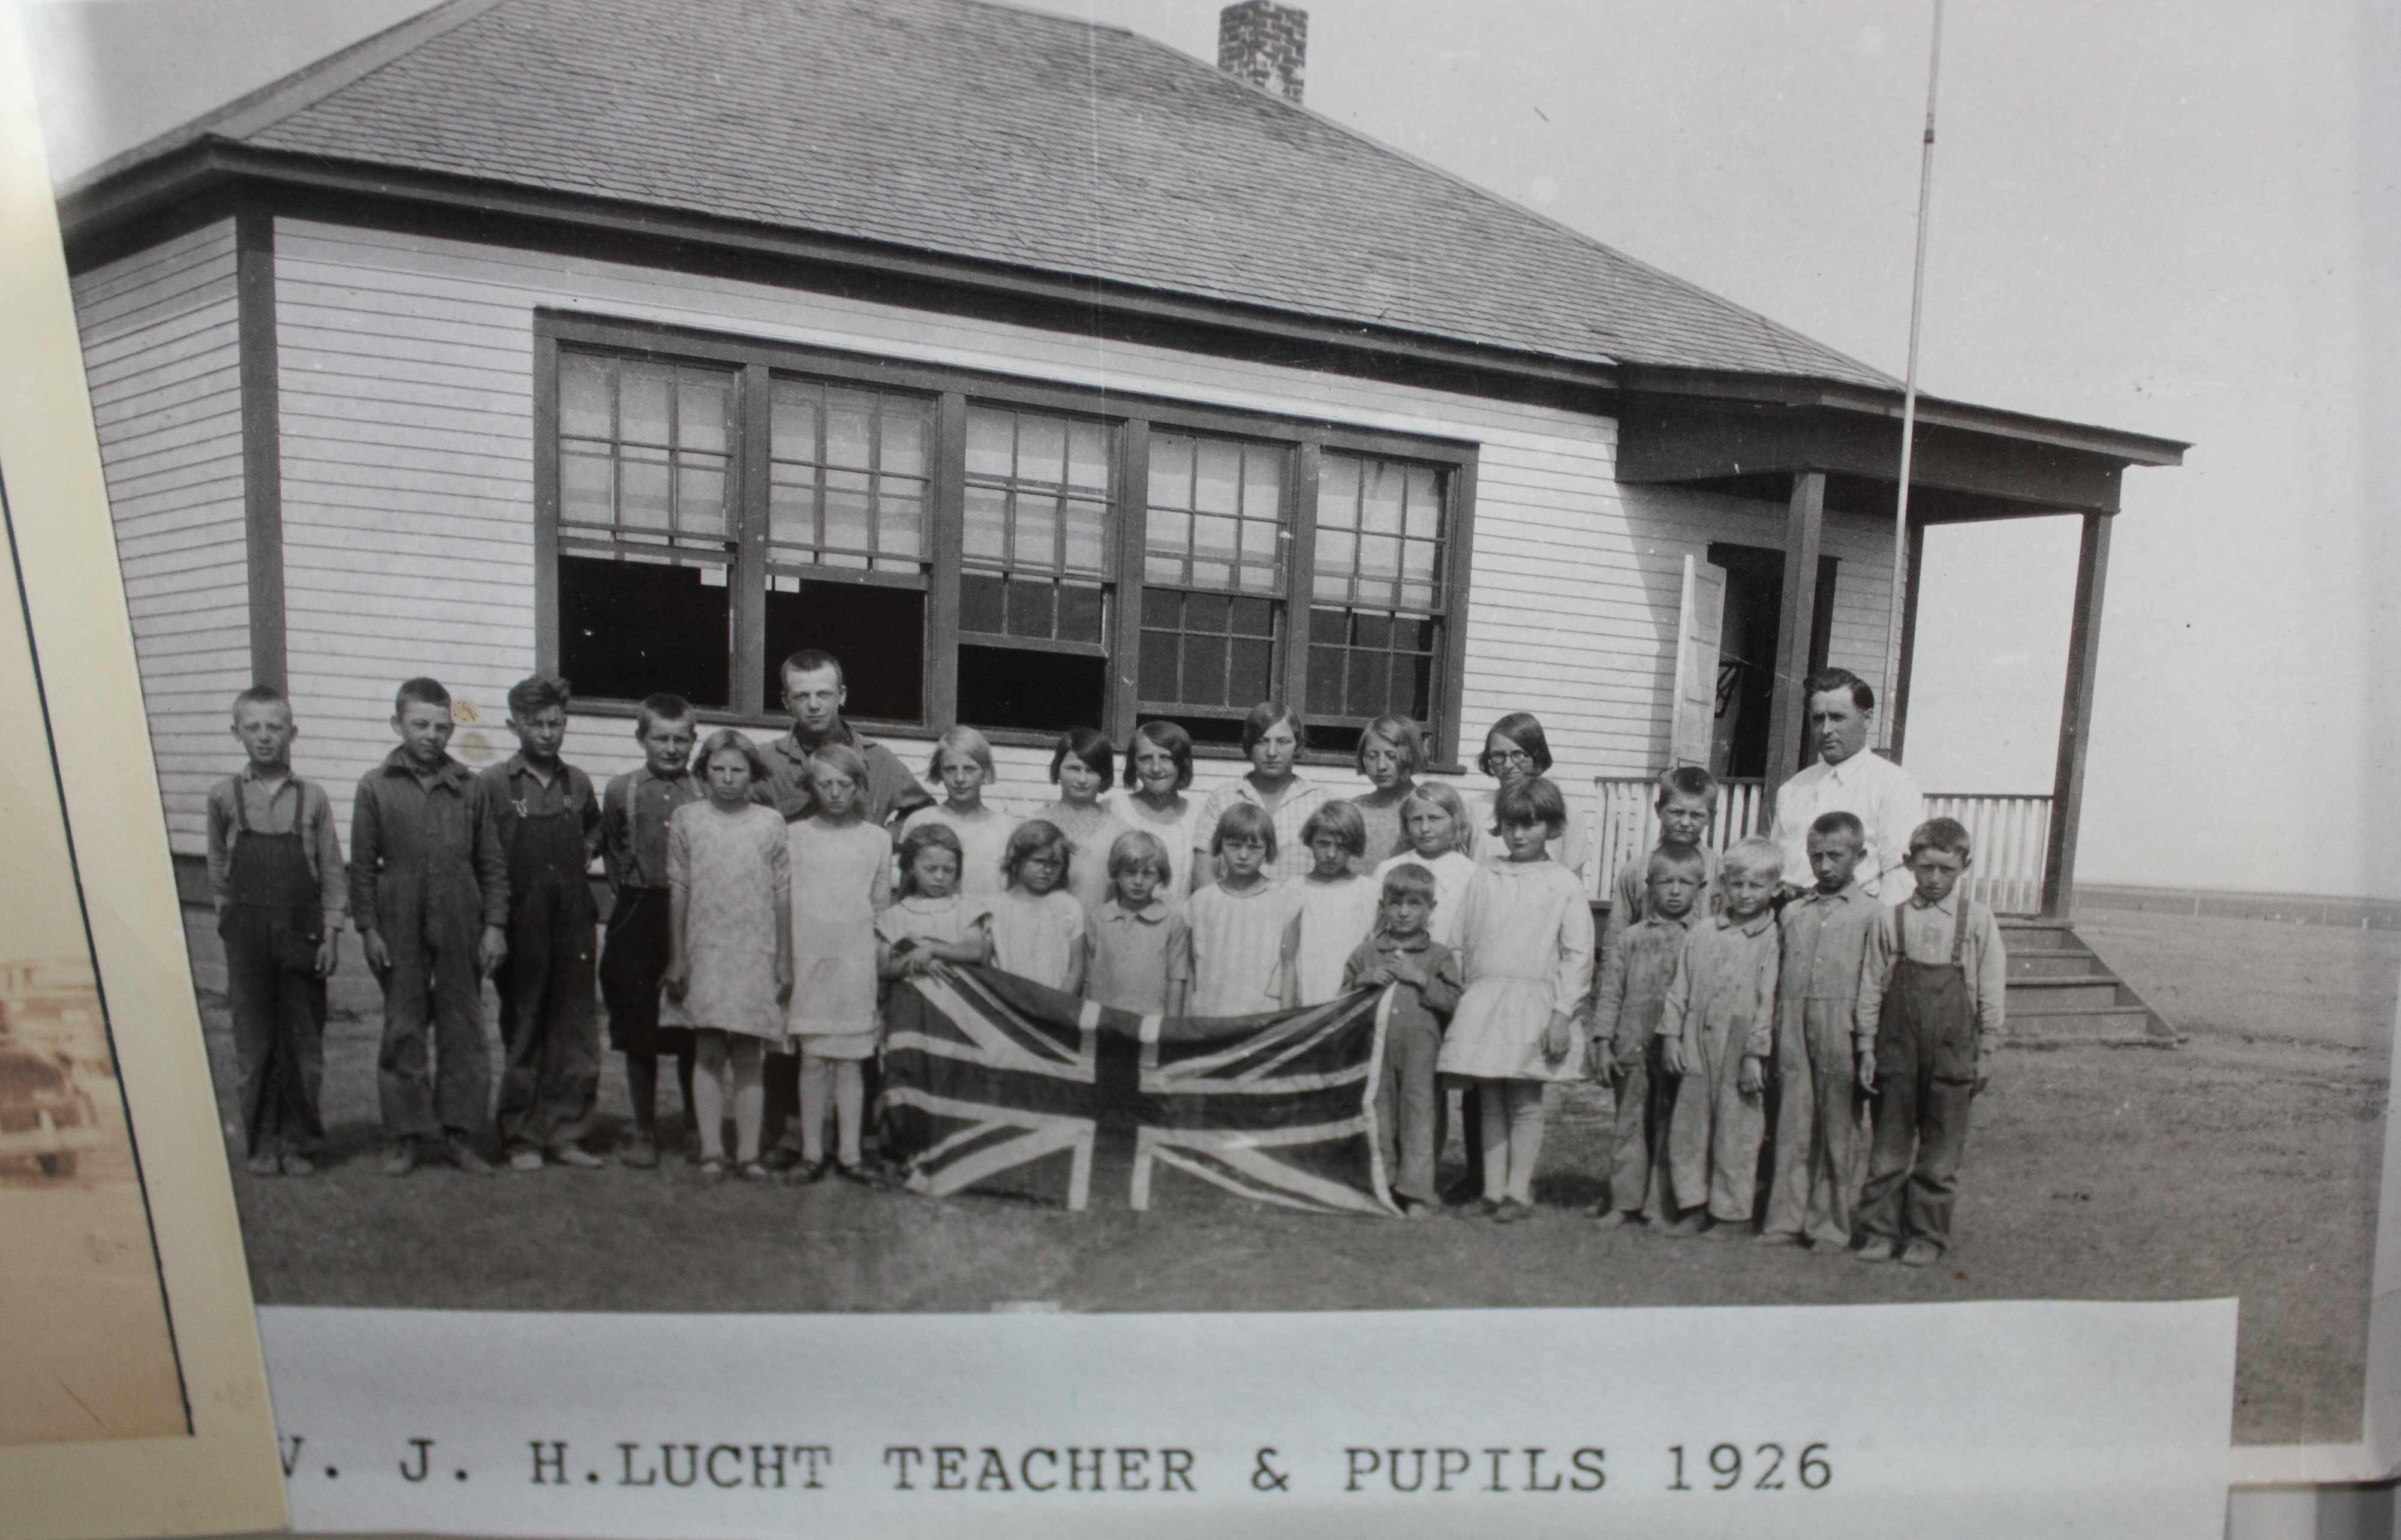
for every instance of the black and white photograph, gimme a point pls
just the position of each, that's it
(944, 656)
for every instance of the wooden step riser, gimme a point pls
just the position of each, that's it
(2064, 996)
(2058, 965)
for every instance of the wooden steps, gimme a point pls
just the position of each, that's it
(2060, 993)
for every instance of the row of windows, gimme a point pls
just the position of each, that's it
(1280, 563)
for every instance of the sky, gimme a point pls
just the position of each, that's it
(2154, 216)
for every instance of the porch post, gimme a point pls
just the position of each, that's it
(1896, 711)
(2074, 721)
(1788, 708)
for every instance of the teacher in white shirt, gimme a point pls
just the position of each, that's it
(1848, 779)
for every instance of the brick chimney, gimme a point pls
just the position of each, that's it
(1265, 44)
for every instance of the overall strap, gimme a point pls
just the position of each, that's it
(240, 808)
(1959, 933)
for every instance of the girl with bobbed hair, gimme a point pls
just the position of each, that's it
(1158, 772)
(1273, 738)
(1517, 751)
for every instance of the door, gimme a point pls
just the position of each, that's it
(1700, 624)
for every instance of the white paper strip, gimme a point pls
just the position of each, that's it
(1859, 1421)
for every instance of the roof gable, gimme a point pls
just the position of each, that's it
(997, 135)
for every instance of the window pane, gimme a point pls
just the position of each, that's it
(642, 491)
(1219, 479)
(1030, 609)
(907, 425)
(587, 488)
(878, 632)
(1080, 611)
(1426, 504)
(792, 508)
(1379, 509)
(642, 410)
(628, 629)
(980, 605)
(793, 422)
(1337, 491)
(1329, 626)
(1325, 682)
(1162, 610)
(1206, 612)
(900, 517)
(987, 519)
(1254, 617)
(1171, 471)
(584, 408)
(1262, 484)
(1251, 674)
(848, 515)
(850, 419)
(1214, 537)
(700, 499)
(1088, 456)
(1036, 538)
(1041, 449)
(1044, 691)
(846, 511)
(700, 415)
(992, 443)
(1371, 672)
(1087, 536)
(1204, 670)
(1158, 667)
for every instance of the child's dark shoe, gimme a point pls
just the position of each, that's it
(639, 1150)
(1724, 1229)
(781, 1157)
(1510, 1211)
(1878, 1249)
(1604, 1218)
(265, 1163)
(577, 1157)
(401, 1159)
(462, 1154)
(807, 1174)
(1920, 1254)
(1690, 1225)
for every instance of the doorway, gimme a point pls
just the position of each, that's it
(1754, 612)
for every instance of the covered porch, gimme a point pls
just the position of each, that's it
(1811, 447)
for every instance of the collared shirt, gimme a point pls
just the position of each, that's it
(1632, 987)
(1300, 799)
(1440, 979)
(1629, 896)
(403, 820)
(1925, 931)
(634, 813)
(285, 806)
(517, 793)
(1126, 953)
(891, 791)
(1825, 935)
(1879, 793)
(1726, 977)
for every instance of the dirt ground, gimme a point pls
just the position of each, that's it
(2243, 1163)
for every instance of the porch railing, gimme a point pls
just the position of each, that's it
(2008, 834)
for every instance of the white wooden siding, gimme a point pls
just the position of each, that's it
(161, 356)
(406, 392)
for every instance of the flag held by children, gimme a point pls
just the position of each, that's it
(997, 1083)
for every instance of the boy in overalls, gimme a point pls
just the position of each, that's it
(549, 821)
(275, 871)
(430, 895)
(1930, 988)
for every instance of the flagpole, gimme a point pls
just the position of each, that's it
(1909, 394)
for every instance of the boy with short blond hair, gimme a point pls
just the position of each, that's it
(1820, 1116)
(1687, 804)
(275, 873)
(1716, 1032)
(1627, 1000)
(430, 895)
(1931, 982)
(548, 821)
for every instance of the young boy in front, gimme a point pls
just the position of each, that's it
(1628, 1001)
(634, 813)
(275, 872)
(1426, 982)
(1820, 1122)
(1687, 805)
(1716, 1030)
(430, 895)
(548, 821)
(1930, 986)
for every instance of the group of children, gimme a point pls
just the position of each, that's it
(737, 934)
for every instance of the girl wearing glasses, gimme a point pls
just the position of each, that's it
(1516, 752)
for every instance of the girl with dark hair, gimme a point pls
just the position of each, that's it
(1516, 752)
(1273, 738)
(1158, 771)
(1082, 767)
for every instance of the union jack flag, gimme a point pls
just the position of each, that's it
(997, 1083)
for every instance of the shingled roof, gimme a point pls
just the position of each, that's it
(994, 135)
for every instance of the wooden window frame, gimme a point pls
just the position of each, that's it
(756, 362)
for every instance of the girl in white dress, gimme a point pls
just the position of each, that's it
(1158, 770)
(1435, 822)
(841, 875)
(930, 922)
(1525, 948)
(730, 932)
(1082, 767)
(1335, 909)
(1037, 926)
(962, 767)
(1234, 928)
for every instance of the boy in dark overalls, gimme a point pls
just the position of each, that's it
(1930, 988)
(634, 813)
(430, 895)
(549, 823)
(275, 872)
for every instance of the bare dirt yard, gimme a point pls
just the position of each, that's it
(2243, 1163)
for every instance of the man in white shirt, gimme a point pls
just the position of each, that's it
(1849, 778)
